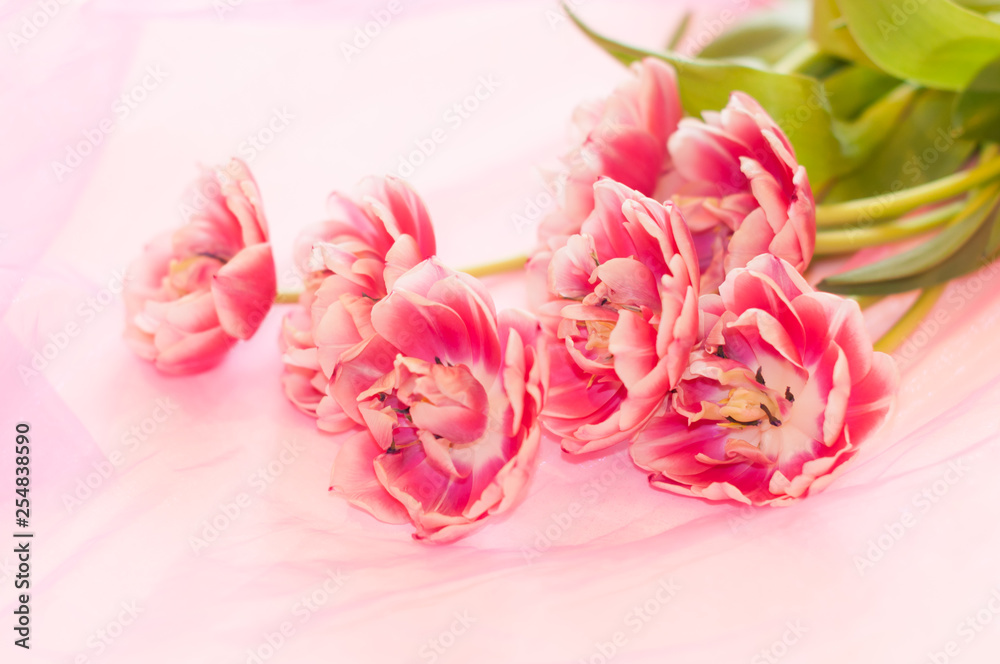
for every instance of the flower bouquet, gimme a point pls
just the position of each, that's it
(696, 294)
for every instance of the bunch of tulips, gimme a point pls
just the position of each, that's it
(672, 307)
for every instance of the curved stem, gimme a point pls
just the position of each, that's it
(898, 333)
(497, 267)
(889, 206)
(845, 240)
(288, 297)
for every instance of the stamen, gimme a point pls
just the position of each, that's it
(721, 352)
(759, 376)
(775, 422)
(789, 395)
(405, 412)
(746, 424)
(215, 256)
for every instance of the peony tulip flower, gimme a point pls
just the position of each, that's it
(348, 262)
(783, 392)
(448, 395)
(741, 190)
(197, 291)
(624, 139)
(624, 313)
(733, 174)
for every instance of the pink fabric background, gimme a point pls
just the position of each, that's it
(556, 581)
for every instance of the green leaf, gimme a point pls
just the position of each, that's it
(764, 36)
(981, 6)
(959, 249)
(905, 140)
(829, 31)
(679, 31)
(932, 42)
(797, 103)
(977, 110)
(854, 88)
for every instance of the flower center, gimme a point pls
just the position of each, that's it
(751, 403)
(596, 331)
(404, 432)
(749, 407)
(420, 402)
(194, 273)
(598, 334)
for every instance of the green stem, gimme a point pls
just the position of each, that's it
(497, 267)
(846, 240)
(866, 210)
(898, 333)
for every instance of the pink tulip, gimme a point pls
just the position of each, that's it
(733, 174)
(742, 191)
(784, 391)
(624, 310)
(448, 395)
(195, 292)
(624, 139)
(348, 263)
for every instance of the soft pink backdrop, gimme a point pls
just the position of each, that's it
(550, 582)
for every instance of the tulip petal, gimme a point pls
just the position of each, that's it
(244, 290)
